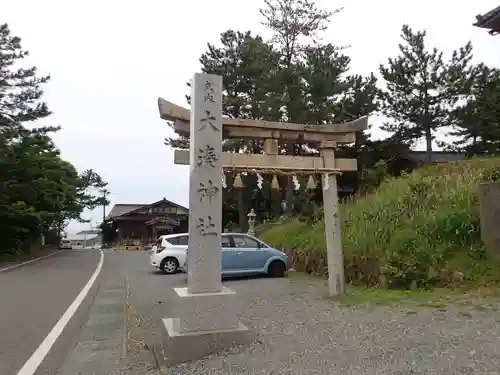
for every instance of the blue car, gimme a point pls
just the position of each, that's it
(242, 254)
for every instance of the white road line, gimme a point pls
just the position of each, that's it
(29, 261)
(39, 355)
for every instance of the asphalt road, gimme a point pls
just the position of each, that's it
(33, 298)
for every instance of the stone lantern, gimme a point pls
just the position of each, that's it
(251, 222)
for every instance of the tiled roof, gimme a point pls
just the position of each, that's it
(87, 232)
(120, 209)
(437, 156)
(490, 20)
(82, 237)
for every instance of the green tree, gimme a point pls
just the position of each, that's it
(323, 69)
(290, 78)
(35, 185)
(422, 88)
(331, 95)
(358, 99)
(245, 63)
(20, 89)
(478, 121)
(109, 231)
(39, 190)
(294, 24)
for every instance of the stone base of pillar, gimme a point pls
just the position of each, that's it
(204, 324)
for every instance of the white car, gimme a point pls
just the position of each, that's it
(169, 252)
(65, 245)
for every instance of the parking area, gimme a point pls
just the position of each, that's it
(301, 331)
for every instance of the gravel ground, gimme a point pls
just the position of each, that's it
(303, 332)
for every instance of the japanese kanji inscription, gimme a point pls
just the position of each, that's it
(207, 156)
(208, 190)
(205, 199)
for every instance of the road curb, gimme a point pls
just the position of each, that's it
(125, 319)
(102, 338)
(29, 261)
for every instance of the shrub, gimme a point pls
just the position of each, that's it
(420, 228)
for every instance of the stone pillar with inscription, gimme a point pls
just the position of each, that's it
(205, 190)
(205, 312)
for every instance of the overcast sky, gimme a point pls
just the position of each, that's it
(110, 60)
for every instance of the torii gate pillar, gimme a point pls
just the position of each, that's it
(336, 280)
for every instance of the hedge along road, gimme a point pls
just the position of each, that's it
(42, 305)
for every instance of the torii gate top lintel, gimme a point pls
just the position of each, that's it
(328, 135)
(261, 129)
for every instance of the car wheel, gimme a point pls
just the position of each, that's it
(169, 265)
(276, 269)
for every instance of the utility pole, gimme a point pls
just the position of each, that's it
(105, 193)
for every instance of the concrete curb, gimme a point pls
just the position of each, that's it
(29, 261)
(125, 320)
(130, 248)
(100, 348)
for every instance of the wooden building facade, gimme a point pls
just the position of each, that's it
(141, 224)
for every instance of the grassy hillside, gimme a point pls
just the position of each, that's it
(421, 229)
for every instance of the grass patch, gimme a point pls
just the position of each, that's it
(440, 299)
(466, 299)
(436, 298)
(422, 228)
(377, 296)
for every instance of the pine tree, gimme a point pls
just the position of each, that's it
(38, 189)
(290, 78)
(291, 21)
(246, 64)
(295, 24)
(20, 89)
(325, 81)
(422, 89)
(478, 121)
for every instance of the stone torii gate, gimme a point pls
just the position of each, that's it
(326, 135)
(207, 307)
